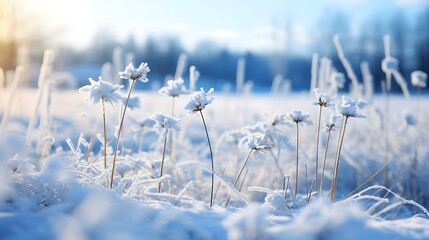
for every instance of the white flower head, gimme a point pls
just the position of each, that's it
(257, 141)
(333, 123)
(164, 123)
(100, 89)
(298, 117)
(135, 74)
(419, 79)
(174, 88)
(338, 79)
(323, 99)
(199, 100)
(348, 107)
(277, 119)
(390, 64)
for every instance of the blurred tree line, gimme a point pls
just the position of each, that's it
(410, 40)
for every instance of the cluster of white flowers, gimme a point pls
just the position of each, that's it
(348, 107)
(135, 74)
(199, 100)
(298, 117)
(419, 79)
(100, 89)
(323, 99)
(174, 88)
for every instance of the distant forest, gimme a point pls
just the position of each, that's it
(409, 38)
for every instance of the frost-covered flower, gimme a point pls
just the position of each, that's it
(164, 122)
(333, 123)
(257, 141)
(100, 89)
(174, 88)
(135, 74)
(390, 64)
(419, 79)
(337, 79)
(348, 108)
(199, 100)
(277, 119)
(296, 116)
(323, 99)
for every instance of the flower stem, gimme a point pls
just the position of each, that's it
(162, 160)
(331, 191)
(296, 169)
(211, 158)
(119, 133)
(317, 146)
(338, 161)
(239, 173)
(324, 163)
(104, 132)
(242, 168)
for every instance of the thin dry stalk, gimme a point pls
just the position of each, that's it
(317, 145)
(239, 173)
(297, 157)
(338, 160)
(162, 160)
(119, 133)
(104, 133)
(211, 159)
(324, 164)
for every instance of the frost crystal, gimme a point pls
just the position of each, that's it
(296, 116)
(419, 79)
(323, 99)
(174, 88)
(348, 108)
(100, 89)
(164, 122)
(135, 74)
(198, 100)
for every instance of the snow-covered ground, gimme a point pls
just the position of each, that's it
(57, 188)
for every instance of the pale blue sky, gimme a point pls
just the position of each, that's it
(238, 24)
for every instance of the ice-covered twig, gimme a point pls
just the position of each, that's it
(347, 66)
